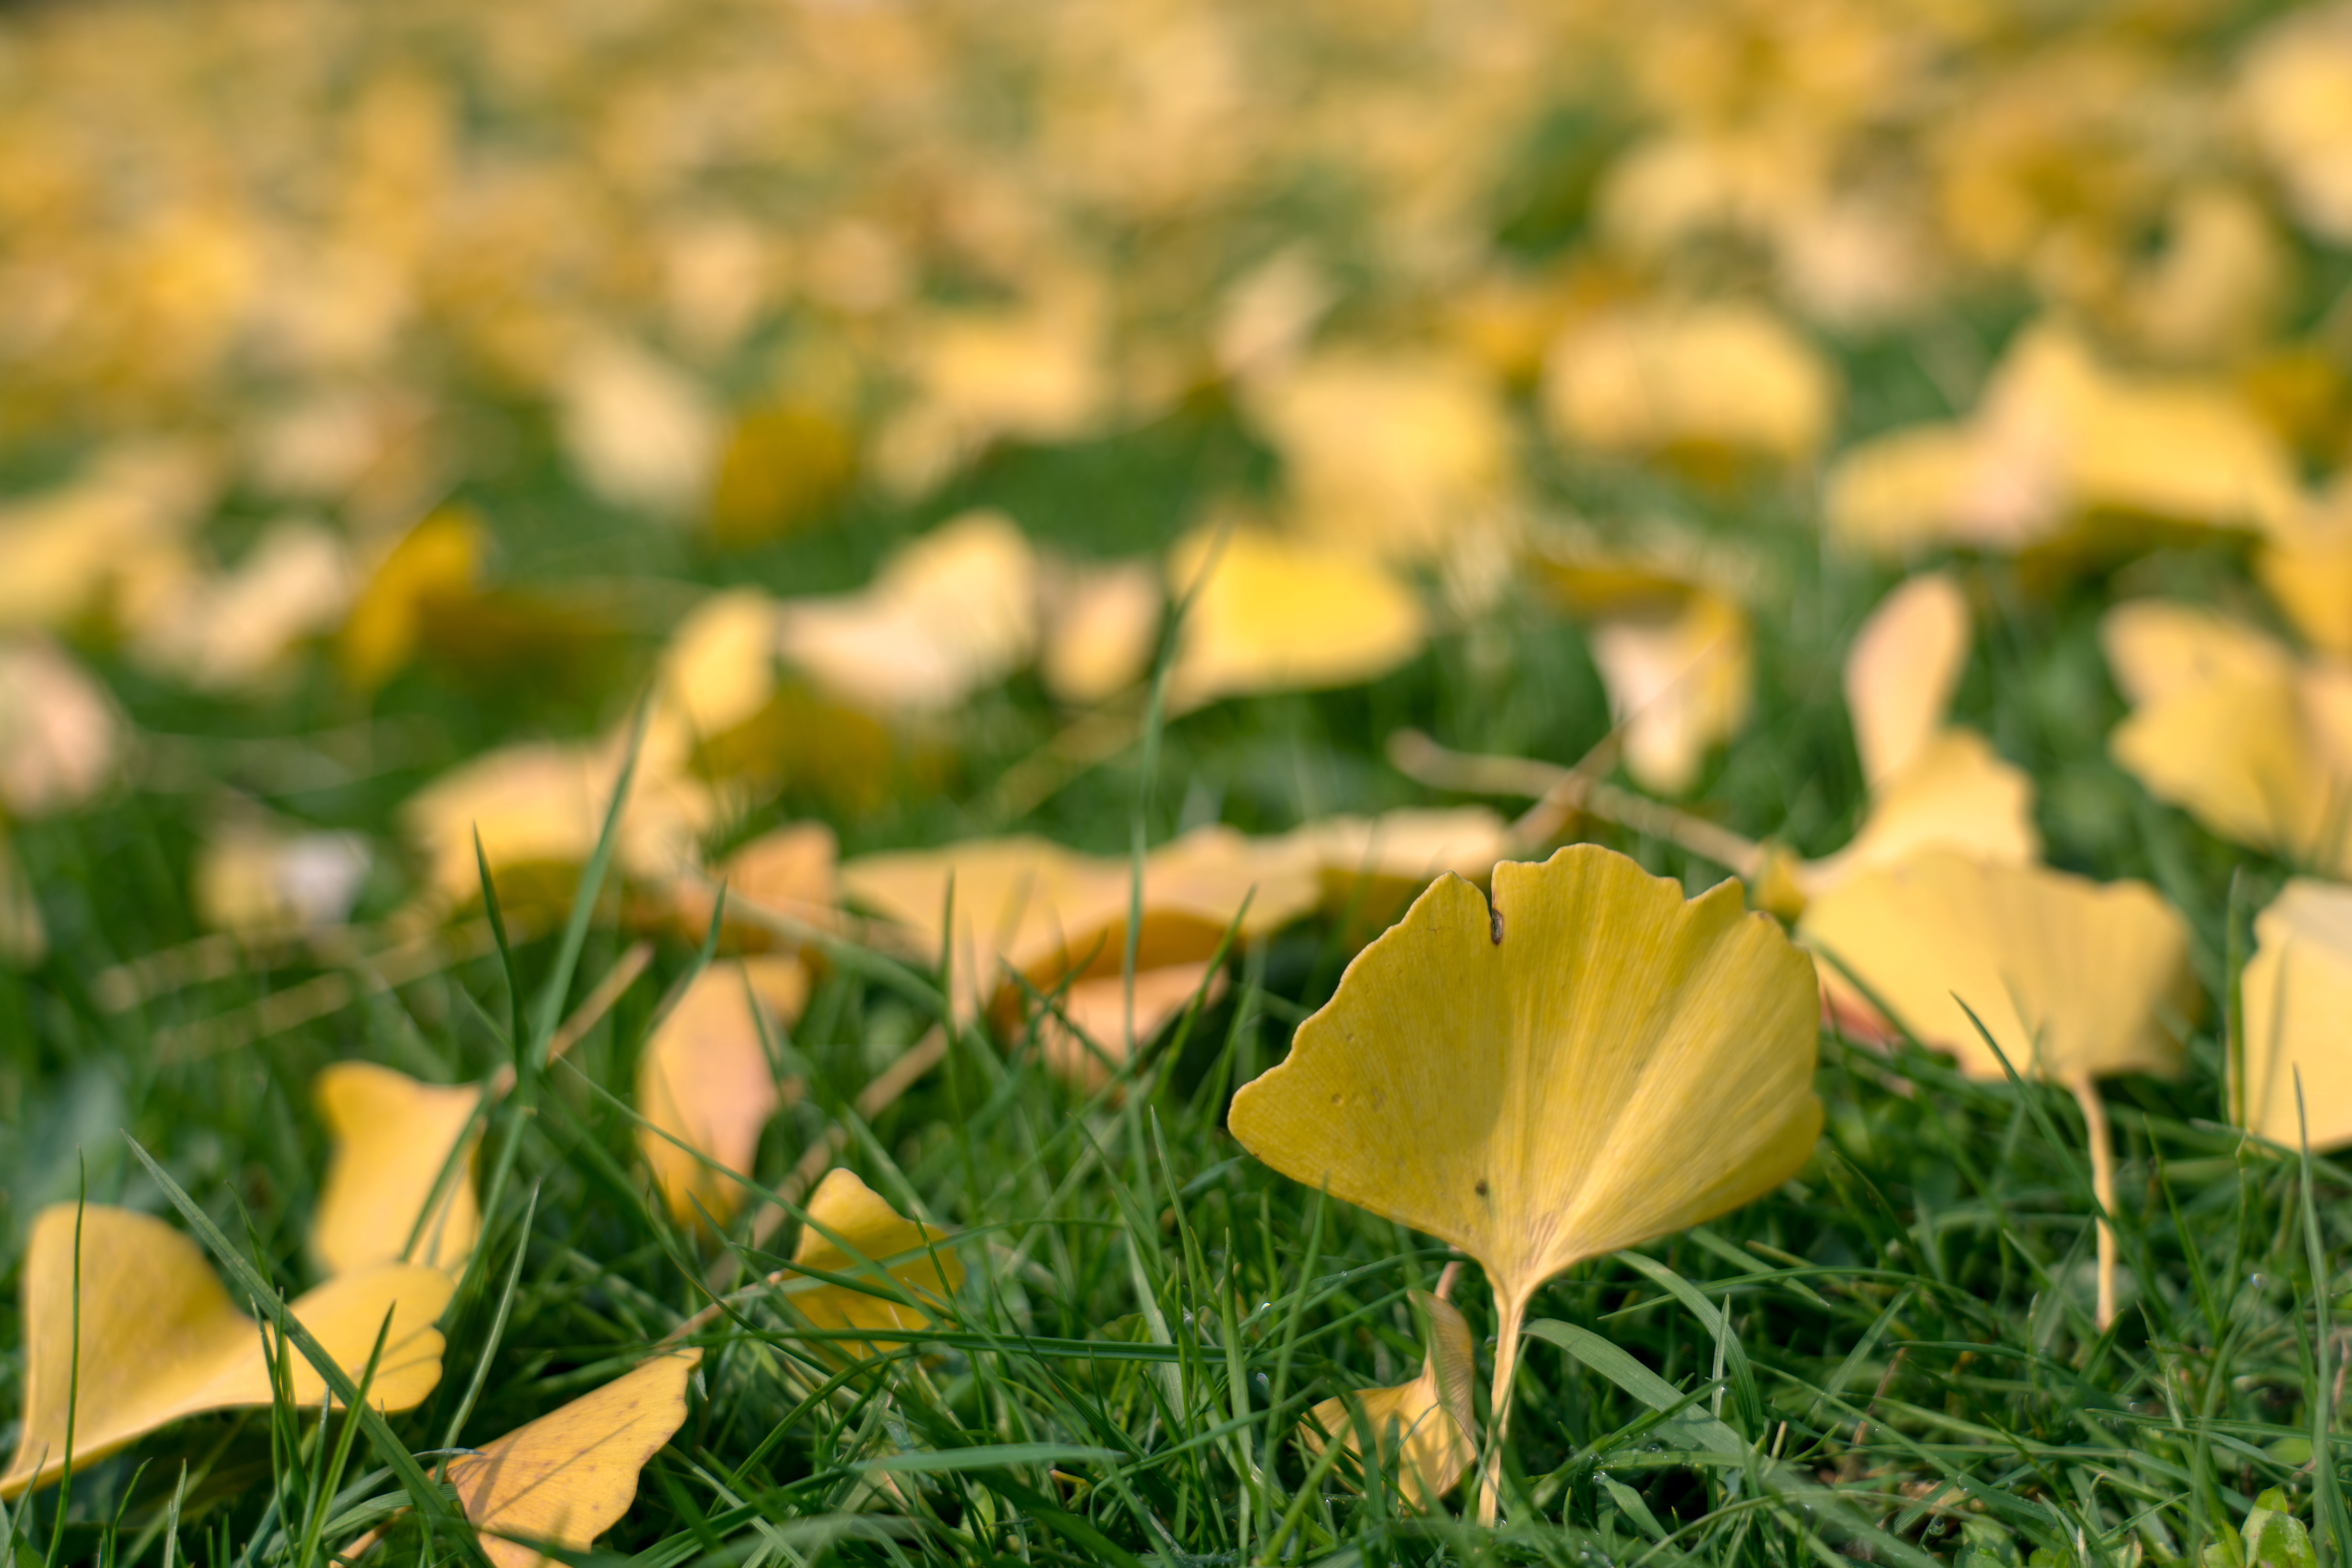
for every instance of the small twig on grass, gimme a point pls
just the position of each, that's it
(1561, 792)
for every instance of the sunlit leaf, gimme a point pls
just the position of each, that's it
(393, 1140)
(566, 1479)
(159, 1339)
(706, 1080)
(1268, 613)
(913, 1256)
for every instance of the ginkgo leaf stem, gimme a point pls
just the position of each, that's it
(2103, 1187)
(1512, 1307)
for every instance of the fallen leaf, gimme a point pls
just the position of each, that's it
(1083, 1036)
(1590, 1062)
(2297, 988)
(2071, 978)
(950, 614)
(439, 560)
(1901, 672)
(790, 871)
(910, 1252)
(1268, 613)
(1371, 867)
(2293, 85)
(1427, 1429)
(1679, 684)
(62, 739)
(396, 1142)
(706, 1080)
(566, 1479)
(1701, 385)
(641, 432)
(159, 1340)
(1101, 628)
(784, 470)
(717, 672)
(69, 548)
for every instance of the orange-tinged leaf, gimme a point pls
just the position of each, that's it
(1902, 670)
(568, 1477)
(2072, 978)
(160, 1341)
(912, 1252)
(790, 871)
(394, 1138)
(2297, 989)
(706, 1080)
(1427, 1428)
(1593, 1062)
(1275, 614)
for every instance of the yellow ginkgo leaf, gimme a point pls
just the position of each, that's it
(1102, 622)
(845, 1213)
(950, 614)
(2292, 87)
(1393, 453)
(1698, 384)
(1956, 793)
(642, 433)
(568, 1477)
(2297, 989)
(2307, 567)
(159, 1339)
(1196, 887)
(1425, 1429)
(1085, 1038)
(68, 547)
(61, 737)
(790, 871)
(2071, 980)
(1591, 1061)
(718, 670)
(1678, 683)
(539, 807)
(396, 1143)
(1275, 614)
(784, 468)
(1017, 902)
(2228, 725)
(1902, 670)
(440, 559)
(706, 1080)
(2069, 977)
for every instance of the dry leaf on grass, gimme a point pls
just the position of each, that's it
(160, 1341)
(2298, 989)
(1590, 1062)
(706, 1080)
(846, 1216)
(568, 1477)
(1427, 1429)
(396, 1142)
(1269, 614)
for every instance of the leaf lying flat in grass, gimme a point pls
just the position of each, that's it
(159, 1339)
(568, 1477)
(2297, 989)
(1591, 1062)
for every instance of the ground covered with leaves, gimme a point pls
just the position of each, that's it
(1072, 518)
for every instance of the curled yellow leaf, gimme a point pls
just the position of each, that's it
(1427, 1429)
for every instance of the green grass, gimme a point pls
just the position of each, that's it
(1892, 1355)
